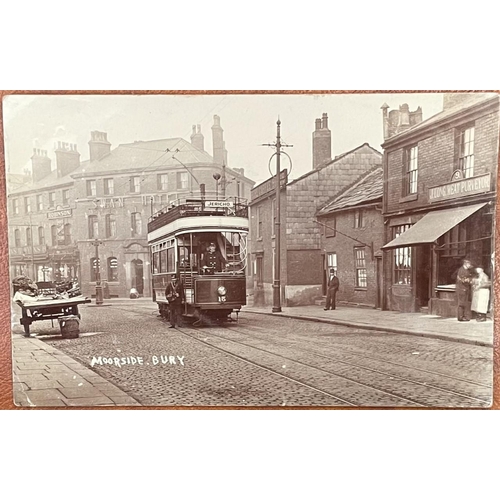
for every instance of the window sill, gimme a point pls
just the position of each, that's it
(259, 238)
(360, 289)
(409, 197)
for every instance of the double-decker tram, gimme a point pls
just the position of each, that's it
(204, 243)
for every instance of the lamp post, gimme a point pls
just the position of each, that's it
(277, 261)
(98, 286)
(216, 177)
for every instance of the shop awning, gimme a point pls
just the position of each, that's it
(432, 225)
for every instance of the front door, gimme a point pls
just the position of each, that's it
(138, 275)
(423, 275)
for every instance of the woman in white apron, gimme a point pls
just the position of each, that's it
(480, 294)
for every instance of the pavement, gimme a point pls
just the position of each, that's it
(423, 325)
(45, 376)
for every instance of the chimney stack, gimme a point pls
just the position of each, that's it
(399, 120)
(67, 158)
(197, 139)
(322, 142)
(40, 164)
(98, 145)
(219, 149)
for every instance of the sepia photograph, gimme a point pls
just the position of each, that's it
(252, 250)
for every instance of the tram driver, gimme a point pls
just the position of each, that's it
(212, 259)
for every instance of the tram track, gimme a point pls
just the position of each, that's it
(250, 331)
(401, 398)
(386, 361)
(365, 368)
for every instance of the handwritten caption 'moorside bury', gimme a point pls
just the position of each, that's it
(137, 360)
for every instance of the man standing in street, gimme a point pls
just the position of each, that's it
(174, 293)
(463, 290)
(333, 288)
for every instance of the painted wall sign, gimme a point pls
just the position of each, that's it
(460, 188)
(60, 214)
(109, 203)
(269, 185)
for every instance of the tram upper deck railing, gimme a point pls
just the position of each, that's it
(229, 207)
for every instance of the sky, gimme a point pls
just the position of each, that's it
(32, 121)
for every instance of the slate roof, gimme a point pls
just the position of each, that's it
(139, 155)
(367, 188)
(337, 158)
(473, 100)
(149, 155)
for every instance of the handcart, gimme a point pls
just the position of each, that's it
(49, 309)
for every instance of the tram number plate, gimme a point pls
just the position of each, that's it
(222, 299)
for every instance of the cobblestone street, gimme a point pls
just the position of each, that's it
(270, 361)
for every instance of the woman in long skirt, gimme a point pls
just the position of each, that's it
(480, 294)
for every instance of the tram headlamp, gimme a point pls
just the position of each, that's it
(221, 290)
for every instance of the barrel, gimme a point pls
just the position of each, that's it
(70, 326)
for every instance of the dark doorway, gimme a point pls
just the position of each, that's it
(379, 283)
(423, 275)
(138, 276)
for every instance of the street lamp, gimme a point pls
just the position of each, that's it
(216, 177)
(98, 286)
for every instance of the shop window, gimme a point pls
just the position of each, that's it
(464, 150)
(93, 226)
(112, 269)
(39, 202)
(359, 218)
(94, 269)
(135, 184)
(136, 224)
(41, 236)
(182, 180)
(15, 206)
(91, 188)
(162, 181)
(360, 264)
(27, 205)
(411, 171)
(17, 238)
(110, 226)
(454, 241)
(109, 187)
(331, 228)
(402, 259)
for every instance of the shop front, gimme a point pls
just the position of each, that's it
(427, 250)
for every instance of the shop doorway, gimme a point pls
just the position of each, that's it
(138, 275)
(423, 275)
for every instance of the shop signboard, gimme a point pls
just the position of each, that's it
(460, 188)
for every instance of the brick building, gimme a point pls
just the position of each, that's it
(439, 201)
(302, 266)
(54, 221)
(353, 234)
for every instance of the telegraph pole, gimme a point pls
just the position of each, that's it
(98, 286)
(277, 261)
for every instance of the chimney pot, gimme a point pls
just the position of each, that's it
(325, 121)
(318, 123)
